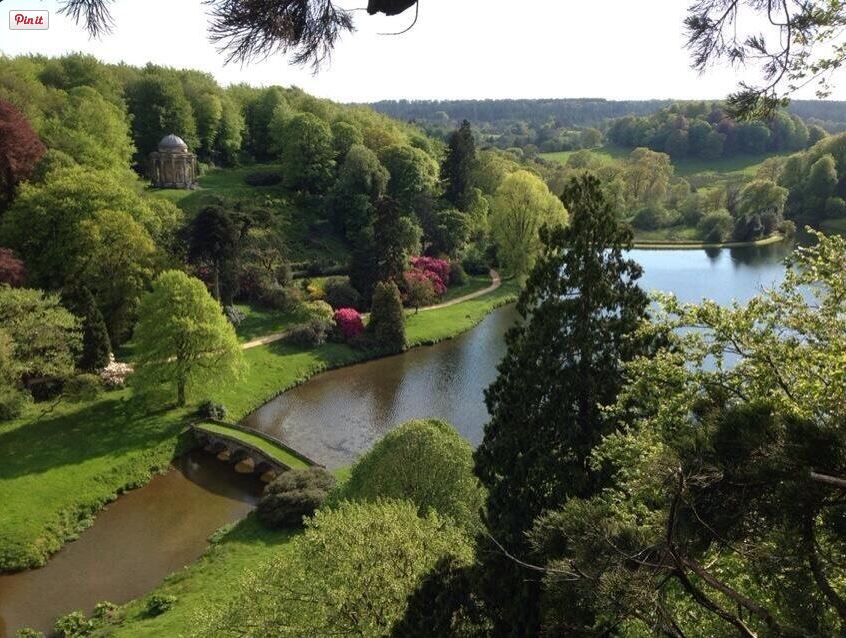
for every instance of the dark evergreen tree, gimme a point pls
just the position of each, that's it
(96, 346)
(443, 605)
(388, 241)
(363, 265)
(387, 319)
(580, 309)
(457, 166)
(213, 239)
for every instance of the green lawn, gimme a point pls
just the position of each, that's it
(59, 470)
(474, 284)
(701, 173)
(606, 154)
(745, 165)
(274, 451)
(263, 321)
(673, 233)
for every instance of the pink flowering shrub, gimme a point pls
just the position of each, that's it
(432, 264)
(349, 322)
(431, 268)
(12, 270)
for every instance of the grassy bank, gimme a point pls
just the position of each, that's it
(279, 366)
(208, 580)
(59, 470)
(654, 240)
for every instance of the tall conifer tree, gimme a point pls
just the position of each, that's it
(580, 310)
(457, 167)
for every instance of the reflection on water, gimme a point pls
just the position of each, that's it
(337, 415)
(136, 541)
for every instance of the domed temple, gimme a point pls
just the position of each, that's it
(173, 165)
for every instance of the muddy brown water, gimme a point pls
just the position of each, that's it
(136, 541)
(161, 527)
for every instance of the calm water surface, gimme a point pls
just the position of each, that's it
(338, 415)
(135, 542)
(157, 529)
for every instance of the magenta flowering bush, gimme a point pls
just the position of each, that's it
(436, 271)
(349, 322)
(440, 267)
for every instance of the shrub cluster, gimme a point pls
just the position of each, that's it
(435, 270)
(114, 375)
(212, 410)
(349, 323)
(294, 494)
(157, 604)
(312, 333)
(234, 315)
(73, 625)
(419, 289)
(278, 297)
(339, 293)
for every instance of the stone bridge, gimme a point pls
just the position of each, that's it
(250, 451)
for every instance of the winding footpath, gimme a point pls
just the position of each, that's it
(496, 282)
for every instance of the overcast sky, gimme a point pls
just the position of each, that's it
(616, 49)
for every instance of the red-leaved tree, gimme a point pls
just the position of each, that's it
(12, 269)
(20, 150)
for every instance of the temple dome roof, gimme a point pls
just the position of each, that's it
(173, 143)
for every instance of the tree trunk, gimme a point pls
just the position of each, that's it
(216, 280)
(180, 393)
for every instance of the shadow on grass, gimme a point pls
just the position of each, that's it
(108, 427)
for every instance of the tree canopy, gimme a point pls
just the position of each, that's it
(183, 339)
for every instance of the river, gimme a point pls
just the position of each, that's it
(150, 532)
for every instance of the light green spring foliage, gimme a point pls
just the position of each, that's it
(349, 574)
(42, 338)
(307, 154)
(43, 225)
(184, 340)
(426, 462)
(783, 349)
(413, 174)
(521, 206)
(761, 196)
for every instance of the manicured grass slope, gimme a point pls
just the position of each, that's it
(61, 469)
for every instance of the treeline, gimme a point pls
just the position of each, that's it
(101, 105)
(706, 131)
(534, 125)
(829, 114)
(571, 112)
